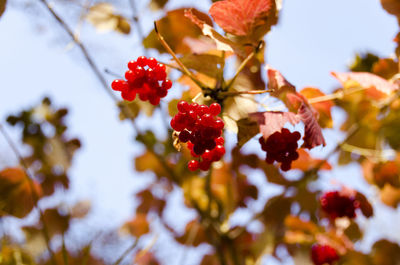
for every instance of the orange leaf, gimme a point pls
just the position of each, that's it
(305, 162)
(16, 195)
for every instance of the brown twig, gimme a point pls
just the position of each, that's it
(126, 252)
(184, 69)
(249, 92)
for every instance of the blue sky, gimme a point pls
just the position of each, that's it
(312, 39)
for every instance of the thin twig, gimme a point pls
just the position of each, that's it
(137, 22)
(249, 92)
(64, 250)
(243, 64)
(126, 252)
(179, 62)
(35, 196)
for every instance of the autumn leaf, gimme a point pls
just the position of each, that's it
(323, 107)
(312, 131)
(376, 86)
(305, 162)
(157, 4)
(390, 195)
(385, 252)
(208, 64)
(3, 4)
(247, 129)
(252, 18)
(145, 257)
(365, 207)
(391, 6)
(223, 44)
(385, 68)
(194, 234)
(16, 195)
(138, 226)
(174, 27)
(273, 121)
(102, 16)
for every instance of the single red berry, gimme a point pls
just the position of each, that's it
(151, 62)
(183, 106)
(141, 61)
(215, 109)
(130, 76)
(167, 84)
(323, 254)
(219, 140)
(193, 165)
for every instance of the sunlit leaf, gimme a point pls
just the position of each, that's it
(390, 195)
(80, 209)
(194, 234)
(252, 18)
(103, 17)
(208, 64)
(312, 131)
(323, 107)
(157, 4)
(305, 162)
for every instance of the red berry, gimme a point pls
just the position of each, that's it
(219, 141)
(193, 165)
(323, 254)
(183, 106)
(151, 62)
(141, 61)
(167, 84)
(215, 109)
(119, 85)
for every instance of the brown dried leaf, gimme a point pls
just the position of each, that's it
(3, 4)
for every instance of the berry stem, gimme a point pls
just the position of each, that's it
(112, 73)
(179, 62)
(244, 63)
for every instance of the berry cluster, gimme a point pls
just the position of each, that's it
(202, 130)
(338, 205)
(145, 77)
(281, 147)
(323, 254)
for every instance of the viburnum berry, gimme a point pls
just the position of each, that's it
(199, 127)
(145, 77)
(339, 205)
(281, 147)
(323, 254)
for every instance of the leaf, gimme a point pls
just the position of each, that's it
(364, 62)
(103, 18)
(376, 86)
(247, 129)
(16, 195)
(252, 18)
(312, 131)
(56, 223)
(273, 121)
(149, 203)
(138, 226)
(3, 4)
(385, 68)
(385, 252)
(208, 64)
(80, 209)
(145, 257)
(391, 6)
(390, 195)
(174, 27)
(223, 44)
(279, 86)
(305, 162)
(365, 206)
(149, 162)
(236, 108)
(299, 231)
(194, 234)
(390, 127)
(323, 108)
(157, 4)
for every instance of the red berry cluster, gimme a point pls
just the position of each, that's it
(323, 254)
(281, 147)
(202, 130)
(145, 77)
(338, 205)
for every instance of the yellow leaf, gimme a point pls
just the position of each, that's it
(104, 19)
